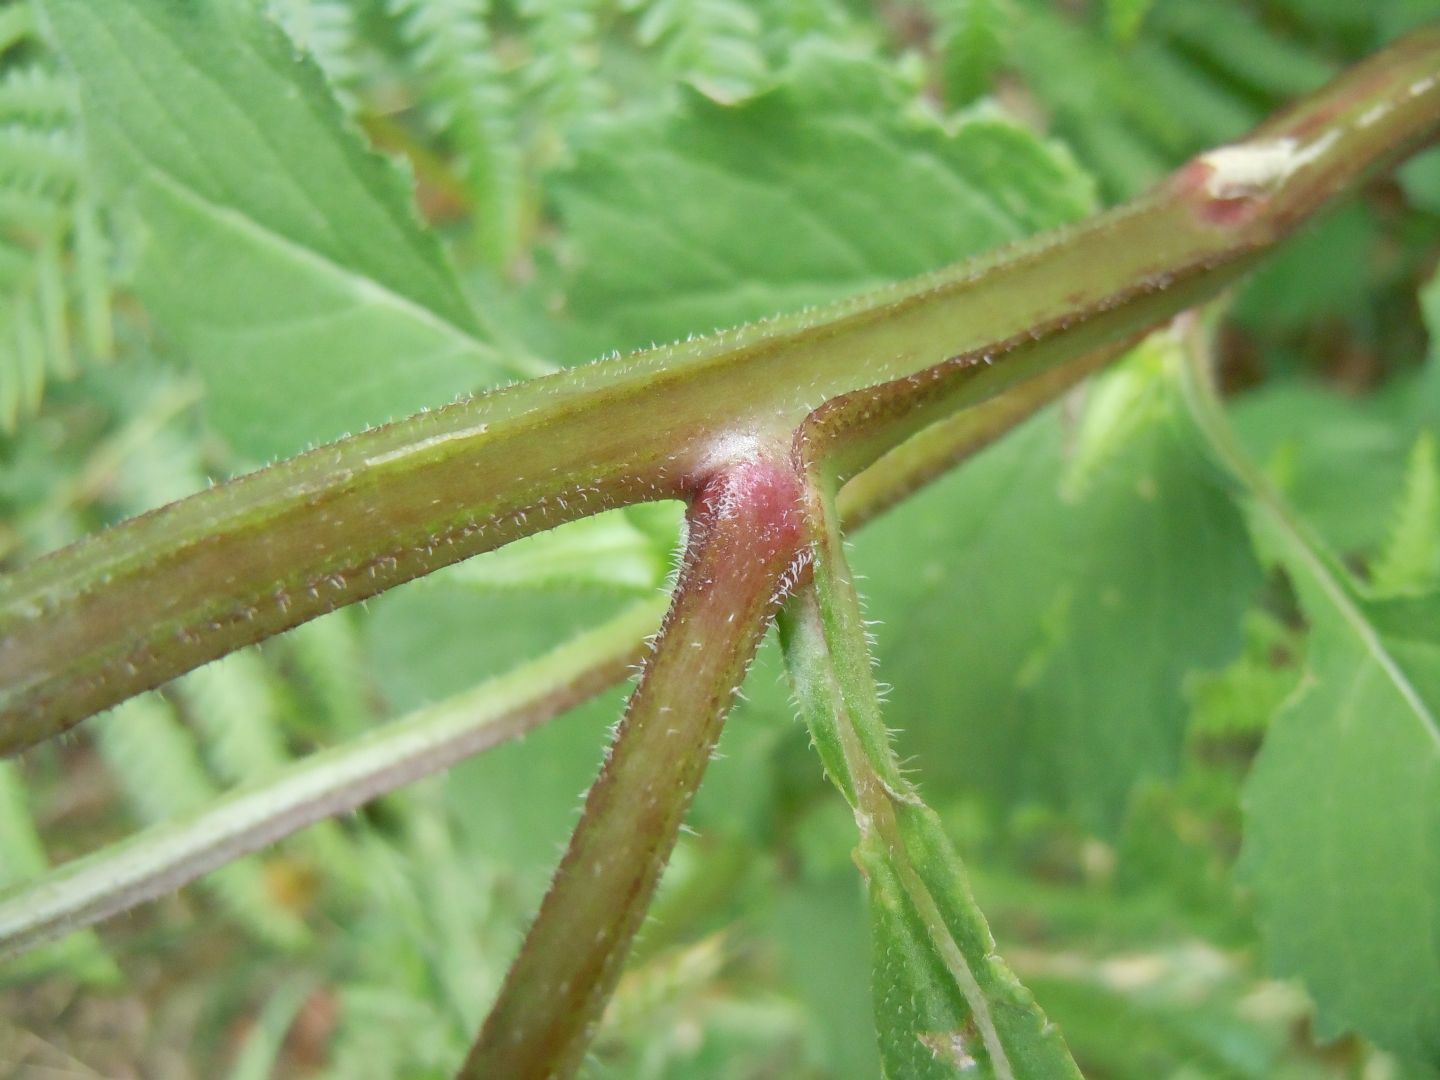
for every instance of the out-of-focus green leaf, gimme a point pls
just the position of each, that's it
(818, 920)
(1118, 405)
(1317, 276)
(282, 255)
(832, 182)
(1348, 879)
(605, 551)
(1339, 460)
(1181, 1011)
(1239, 700)
(433, 637)
(1123, 18)
(1059, 622)
(926, 1016)
(1342, 808)
(1425, 400)
(1420, 177)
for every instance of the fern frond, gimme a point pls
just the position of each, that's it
(35, 93)
(232, 704)
(971, 45)
(91, 279)
(558, 77)
(155, 759)
(39, 159)
(324, 29)
(22, 856)
(470, 105)
(330, 662)
(53, 258)
(1410, 561)
(235, 705)
(712, 44)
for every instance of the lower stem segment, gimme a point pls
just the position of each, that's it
(746, 545)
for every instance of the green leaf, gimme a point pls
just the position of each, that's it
(1315, 277)
(927, 1027)
(1119, 405)
(1342, 841)
(1420, 179)
(1176, 1011)
(834, 181)
(1058, 618)
(605, 551)
(1123, 18)
(436, 638)
(1410, 561)
(945, 1003)
(282, 256)
(1426, 400)
(1342, 807)
(1339, 461)
(820, 924)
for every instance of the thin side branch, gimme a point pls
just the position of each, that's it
(330, 782)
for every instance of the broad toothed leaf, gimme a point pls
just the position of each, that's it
(1342, 806)
(282, 255)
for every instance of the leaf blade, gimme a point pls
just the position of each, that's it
(1342, 830)
(224, 142)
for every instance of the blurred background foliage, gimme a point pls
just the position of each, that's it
(1085, 650)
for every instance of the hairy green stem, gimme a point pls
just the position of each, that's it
(744, 551)
(129, 609)
(907, 859)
